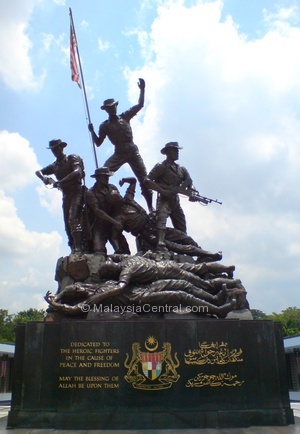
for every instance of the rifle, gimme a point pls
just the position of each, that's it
(191, 193)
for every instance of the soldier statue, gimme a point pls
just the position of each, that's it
(164, 178)
(69, 172)
(117, 128)
(136, 221)
(106, 207)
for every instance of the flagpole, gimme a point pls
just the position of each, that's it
(83, 86)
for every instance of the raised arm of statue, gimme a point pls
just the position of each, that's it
(141, 85)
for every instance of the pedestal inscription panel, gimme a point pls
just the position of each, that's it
(149, 374)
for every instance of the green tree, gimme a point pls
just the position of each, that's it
(290, 320)
(7, 333)
(258, 314)
(9, 322)
(28, 315)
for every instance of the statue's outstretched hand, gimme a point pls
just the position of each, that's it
(49, 297)
(91, 127)
(141, 83)
(47, 180)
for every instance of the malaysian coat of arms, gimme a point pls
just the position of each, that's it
(152, 369)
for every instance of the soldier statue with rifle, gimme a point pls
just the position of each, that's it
(136, 221)
(169, 179)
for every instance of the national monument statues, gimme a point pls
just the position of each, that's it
(169, 266)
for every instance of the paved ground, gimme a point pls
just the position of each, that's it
(291, 429)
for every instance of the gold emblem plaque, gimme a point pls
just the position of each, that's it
(151, 369)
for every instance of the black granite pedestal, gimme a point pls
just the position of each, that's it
(149, 374)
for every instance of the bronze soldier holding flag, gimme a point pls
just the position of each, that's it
(117, 128)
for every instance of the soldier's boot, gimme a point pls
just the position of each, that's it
(161, 245)
(216, 268)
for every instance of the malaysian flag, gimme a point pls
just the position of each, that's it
(73, 59)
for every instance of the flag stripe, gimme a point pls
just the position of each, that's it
(73, 60)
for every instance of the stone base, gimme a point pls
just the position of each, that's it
(150, 374)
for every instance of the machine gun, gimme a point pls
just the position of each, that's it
(191, 193)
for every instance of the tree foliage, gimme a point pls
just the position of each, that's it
(9, 322)
(25, 316)
(258, 314)
(6, 327)
(289, 318)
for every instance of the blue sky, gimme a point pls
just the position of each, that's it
(222, 78)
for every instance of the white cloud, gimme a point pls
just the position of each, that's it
(47, 41)
(18, 161)
(281, 15)
(233, 105)
(25, 258)
(16, 68)
(103, 45)
(50, 199)
(25, 254)
(57, 46)
(84, 25)
(16, 241)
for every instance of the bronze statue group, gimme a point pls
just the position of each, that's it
(163, 272)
